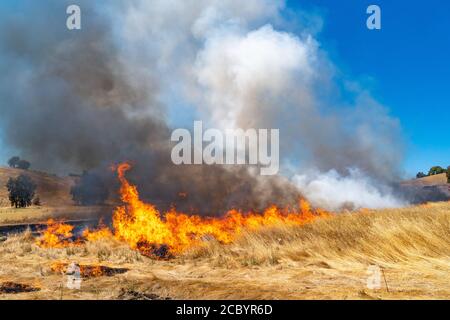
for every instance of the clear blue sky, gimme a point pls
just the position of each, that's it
(406, 65)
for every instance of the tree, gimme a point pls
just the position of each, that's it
(89, 190)
(436, 170)
(420, 175)
(448, 174)
(21, 191)
(13, 162)
(16, 162)
(23, 164)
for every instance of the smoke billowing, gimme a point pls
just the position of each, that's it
(113, 91)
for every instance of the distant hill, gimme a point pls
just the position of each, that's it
(435, 180)
(430, 188)
(52, 190)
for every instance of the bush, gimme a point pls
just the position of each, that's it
(448, 174)
(420, 175)
(21, 191)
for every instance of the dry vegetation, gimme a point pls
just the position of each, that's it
(437, 179)
(327, 259)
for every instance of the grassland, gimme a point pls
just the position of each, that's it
(327, 259)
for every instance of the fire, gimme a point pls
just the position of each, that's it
(144, 228)
(98, 234)
(141, 224)
(57, 235)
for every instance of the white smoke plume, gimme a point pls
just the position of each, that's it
(332, 191)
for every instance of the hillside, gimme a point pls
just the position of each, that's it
(438, 179)
(54, 193)
(52, 190)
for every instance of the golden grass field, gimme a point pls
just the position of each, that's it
(327, 259)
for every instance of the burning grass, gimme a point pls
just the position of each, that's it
(145, 229)
(14, 288)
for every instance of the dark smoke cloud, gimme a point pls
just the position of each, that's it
(70, 102)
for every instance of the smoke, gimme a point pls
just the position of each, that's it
(330, 190)
(113, 91)
(270, 79)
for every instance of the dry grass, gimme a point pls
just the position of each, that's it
(327, 259)
(437, 179)
(10, 216)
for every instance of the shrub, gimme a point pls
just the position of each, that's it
(420, 175)
(448, 174)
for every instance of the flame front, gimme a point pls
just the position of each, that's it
(145, 229)
(141, 224)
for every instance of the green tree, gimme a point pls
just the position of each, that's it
(21, 191)
(436, 170)
(420, 175)
(13, 162)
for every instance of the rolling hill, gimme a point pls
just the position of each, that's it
(51, 189)
(438, 179)
(54, 193)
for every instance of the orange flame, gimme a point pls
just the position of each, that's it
(143, 227)
(57, 235)
(139, 223)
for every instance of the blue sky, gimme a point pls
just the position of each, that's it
(405, 65)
